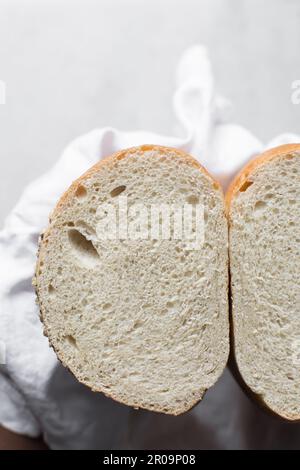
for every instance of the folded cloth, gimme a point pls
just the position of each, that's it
(39, 396)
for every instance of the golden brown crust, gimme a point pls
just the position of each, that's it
(258, 161)
(233, 189)
(187, 159)
(110, 160)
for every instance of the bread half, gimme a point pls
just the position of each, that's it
(264, 213)
(145, 321)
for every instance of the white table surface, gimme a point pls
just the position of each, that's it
(71, 66)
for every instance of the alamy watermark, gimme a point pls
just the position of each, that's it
(295, 96)
(2, 92)
(151, 221)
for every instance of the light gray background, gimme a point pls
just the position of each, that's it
(72, 65)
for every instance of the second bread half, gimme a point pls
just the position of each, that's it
(264, 212)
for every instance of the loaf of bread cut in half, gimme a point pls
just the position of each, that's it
(145, 321)
(264, 214)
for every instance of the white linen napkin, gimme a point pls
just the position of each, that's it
(37, 395)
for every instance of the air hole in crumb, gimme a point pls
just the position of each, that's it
(146, 305)
(137, 324)
(106, 306)
(115, 192)
(71, 341)
(259, 206)
(83, 249)
(81, 192)
(245, 186)
(171, 304)
(183, 189)
(86, 229)
(164, 390)
(188, 273)
(192, 199)
(51, 289)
